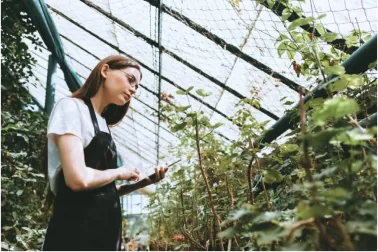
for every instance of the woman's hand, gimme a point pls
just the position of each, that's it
(159, 175)
(126, 173)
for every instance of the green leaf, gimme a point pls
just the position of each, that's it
(338, 86)
(270, 3)
(298, 37)
(180, 92)
(336, 195)
(6, 228)
(291, 54)
(189, 89)
(19, 192)
(205, 121)
(252, 102)
(335, 108)
(282, 37)
(354, 136)
(368, 208)
(320, 29)
(329, 36)
(314, 103)
(362, 227)
(286, 13)
(323, 137)
(322, 16)
(228, 233)
(202, 92)
(338, 70)
(282, 48)
(288, 148)
(351, 81)
(288, 103)
(182, 108)
(373, 65)
(217, 125)
(272, 176)
(178, 127)
(327, 172)
(300, 22)
(306, 211)
(352, 40)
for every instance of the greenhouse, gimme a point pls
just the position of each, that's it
(264, 112)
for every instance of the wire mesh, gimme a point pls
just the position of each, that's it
(226, 47)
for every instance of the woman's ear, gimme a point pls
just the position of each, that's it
(104, 70)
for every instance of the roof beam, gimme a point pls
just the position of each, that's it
(178, 58)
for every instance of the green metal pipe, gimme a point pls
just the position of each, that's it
(50, 84)
(357, 63)
(371, 121)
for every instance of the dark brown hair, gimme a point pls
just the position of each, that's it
(113, 113)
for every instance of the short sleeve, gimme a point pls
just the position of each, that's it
(64, 119)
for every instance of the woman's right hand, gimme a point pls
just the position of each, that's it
(127, 173)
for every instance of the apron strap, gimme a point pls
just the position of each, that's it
(93, 115)
(109, 129)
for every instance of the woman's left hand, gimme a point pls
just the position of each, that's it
(159, 174)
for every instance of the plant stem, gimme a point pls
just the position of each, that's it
(217, 217)
(262, 179)
(250, 175)
(306, 159)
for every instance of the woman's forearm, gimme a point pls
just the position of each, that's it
(92, 178)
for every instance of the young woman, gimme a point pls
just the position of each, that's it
(82, 160)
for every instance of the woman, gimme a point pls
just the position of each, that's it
(82, 160)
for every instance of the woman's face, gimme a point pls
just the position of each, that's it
(120, 84)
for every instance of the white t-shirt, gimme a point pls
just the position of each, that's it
(69, 116)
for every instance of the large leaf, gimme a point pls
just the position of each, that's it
(351, 81)
(338, 70)
(324, 137)
(335, 108)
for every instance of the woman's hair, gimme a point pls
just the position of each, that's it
(113, 113)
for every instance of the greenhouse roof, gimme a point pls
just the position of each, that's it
(226, 47)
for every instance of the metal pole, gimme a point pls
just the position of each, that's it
(50, 84)
(160, 23)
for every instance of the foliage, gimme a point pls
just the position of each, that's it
(22, 136)
(317, 191)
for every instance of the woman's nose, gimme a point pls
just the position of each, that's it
(132, 90)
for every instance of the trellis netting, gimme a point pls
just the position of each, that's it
(226, 47)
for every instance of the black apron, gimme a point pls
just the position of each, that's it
(88, 220)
